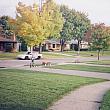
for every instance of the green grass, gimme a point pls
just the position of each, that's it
(106, 102)
(83, 68)
(9, 56)
(100, 62)
(27, 90)
(88, 53)
(54, 55)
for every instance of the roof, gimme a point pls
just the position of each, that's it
(3, 39)
(52, 41)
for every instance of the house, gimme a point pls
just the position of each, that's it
(8, 43)
(54, 45)
(83, 45)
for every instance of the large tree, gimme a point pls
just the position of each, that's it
(35, 25)
(100, 35)
(67, 26)
(75, 26)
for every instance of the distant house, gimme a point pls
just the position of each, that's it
(83, 46)
(8, 43)
(54, 45)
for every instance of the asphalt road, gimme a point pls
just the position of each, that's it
(18, 63)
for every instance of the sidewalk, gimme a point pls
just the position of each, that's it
(85, 98)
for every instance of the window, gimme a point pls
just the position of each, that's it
(53, 45)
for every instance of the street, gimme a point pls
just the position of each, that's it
(20, 63)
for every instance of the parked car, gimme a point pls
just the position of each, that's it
(29, 56)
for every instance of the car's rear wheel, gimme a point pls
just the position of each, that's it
(26, 58)
(39, 57)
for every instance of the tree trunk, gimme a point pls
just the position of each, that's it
(98, 55)
(19, 47)
(62, 42)
(40, 48)
(62, 47)
(31, 48)
(78, 47)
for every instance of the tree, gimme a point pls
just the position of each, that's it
(37, 25)
(7, 29)
(81, 25)
(67, 26)
(88, 37)
(75, 26)
(100, 37)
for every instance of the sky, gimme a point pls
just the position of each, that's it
(98, 10)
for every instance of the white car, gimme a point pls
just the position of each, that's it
(29, 56)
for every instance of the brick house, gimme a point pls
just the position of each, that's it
(8, 43)
(54, 45)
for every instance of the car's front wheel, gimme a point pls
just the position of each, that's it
(26, 58)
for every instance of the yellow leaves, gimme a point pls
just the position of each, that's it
(11, 21)
(35, 26)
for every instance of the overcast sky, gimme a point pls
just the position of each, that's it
(98, 10)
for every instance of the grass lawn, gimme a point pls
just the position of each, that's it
(8, 56)
(83, 68)
(100, 62)
(106, 102)
(27, 90)
(88, 53)
(54, 55)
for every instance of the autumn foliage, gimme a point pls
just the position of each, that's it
(35, 25)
